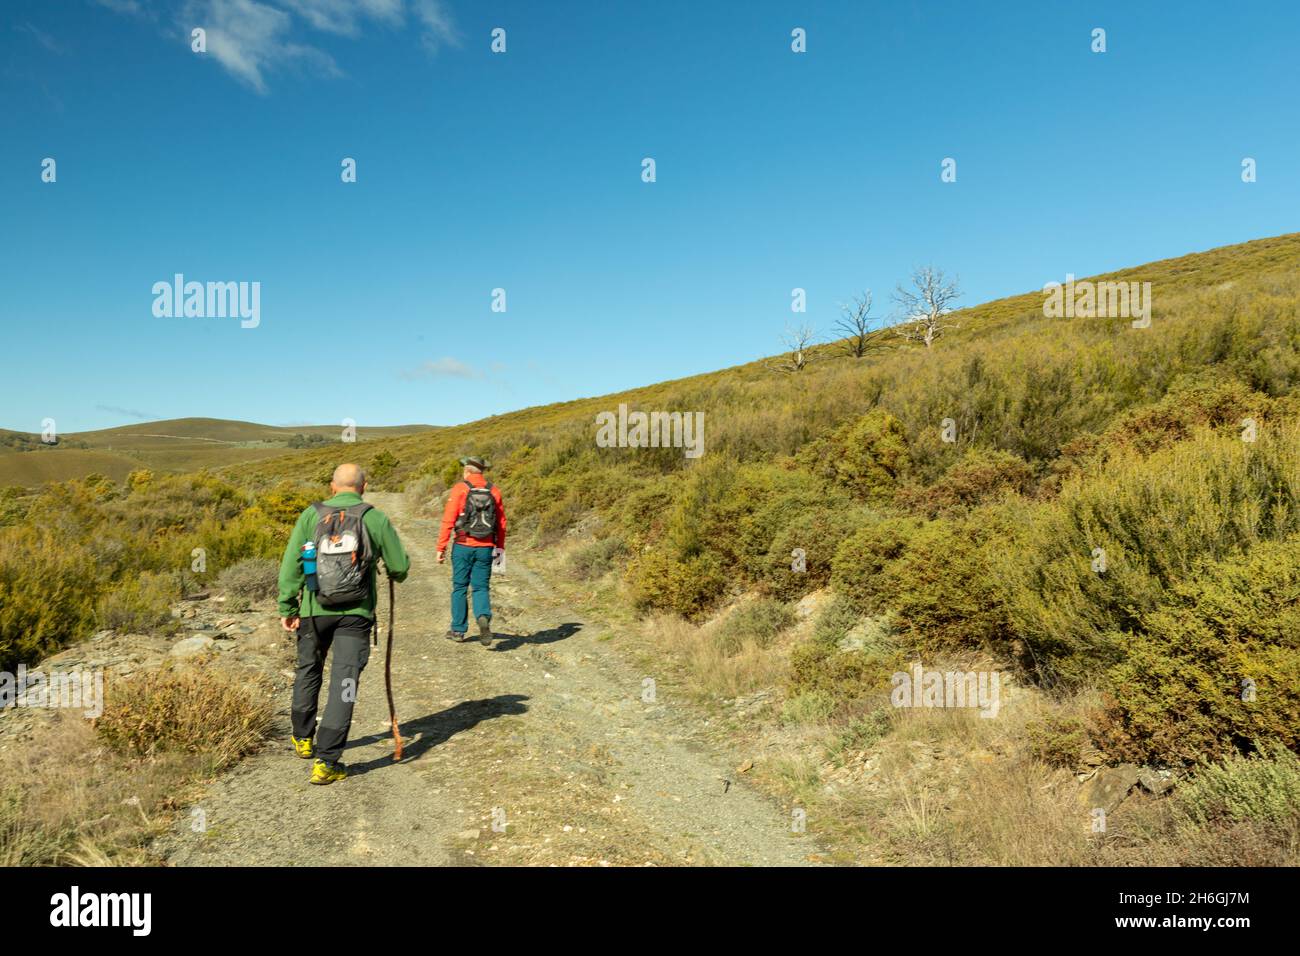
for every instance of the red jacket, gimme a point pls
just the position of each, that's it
(456, 504)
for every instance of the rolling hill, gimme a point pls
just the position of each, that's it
(175, 445)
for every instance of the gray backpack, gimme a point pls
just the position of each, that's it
(344, 556)
(479, 519)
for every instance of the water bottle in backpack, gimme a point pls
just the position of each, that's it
(309, 564)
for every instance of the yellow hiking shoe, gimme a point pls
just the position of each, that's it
(323, 773)
(301, 747)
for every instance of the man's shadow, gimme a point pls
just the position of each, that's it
(434, 729)
(509, 642)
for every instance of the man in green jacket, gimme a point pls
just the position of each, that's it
(345, 628)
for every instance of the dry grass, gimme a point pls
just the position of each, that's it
(97, 793)
(194, 708)
(69, 800)
(721, 663)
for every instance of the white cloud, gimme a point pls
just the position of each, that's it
(122, 6)
(251, 39)
(441, 368)
(343, 16)
(439, 29)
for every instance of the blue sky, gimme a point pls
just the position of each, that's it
(522, 171)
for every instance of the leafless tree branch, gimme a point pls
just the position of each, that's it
(925, 305)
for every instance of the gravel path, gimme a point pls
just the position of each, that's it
(538, 750)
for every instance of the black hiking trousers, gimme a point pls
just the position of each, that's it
(349, 635)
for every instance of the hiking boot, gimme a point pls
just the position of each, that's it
(460, 637)
(485, 630)
(301, 747)
(325, 773)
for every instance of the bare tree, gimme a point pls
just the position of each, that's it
(855, 325)
(925, 305)
(797, 341)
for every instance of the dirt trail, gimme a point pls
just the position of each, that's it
(539, 750)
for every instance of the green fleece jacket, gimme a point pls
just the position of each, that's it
(383, 539)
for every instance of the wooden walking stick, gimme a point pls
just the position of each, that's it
(388, 678)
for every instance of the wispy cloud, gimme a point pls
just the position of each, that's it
(43, 38)
(440, 368)
(344, 16)
(439, 29)
(252, 39)
(132, 7)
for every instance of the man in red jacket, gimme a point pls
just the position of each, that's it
(476, 516)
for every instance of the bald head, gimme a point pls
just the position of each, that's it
(348, 477)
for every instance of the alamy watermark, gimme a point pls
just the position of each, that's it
(1086, 299)
(923, 688)
(211, 300)
(651, 430)
(71, 690)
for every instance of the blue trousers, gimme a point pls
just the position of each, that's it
(470, 567)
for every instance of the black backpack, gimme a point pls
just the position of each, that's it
(479, 518)
(344, 555)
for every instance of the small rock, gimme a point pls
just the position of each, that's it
(467, 835)
(1155, 781)
(1108, 789)
(1092, 758)
(745, 767)
(191, 646)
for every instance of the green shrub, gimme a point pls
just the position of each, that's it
(835, 620)
(596, 558)
(1206, 398)
(1263, 787)
(869, 456)
(688, 587)
(980, 476)
(860, 559)
(945, 591)
(48, 589)
(139, 604)
(1057, 740)
(252, 578)
(1154, 520)
(817, 527)
(755, 622)
(845, 676)
(808, 707)
(1178, 692)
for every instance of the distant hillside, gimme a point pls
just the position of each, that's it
(174, 445)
